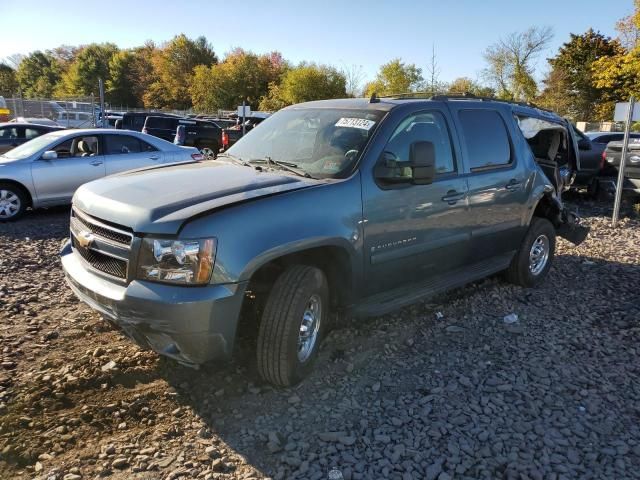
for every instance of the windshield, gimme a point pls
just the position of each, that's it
(322, 142)
(32, 146)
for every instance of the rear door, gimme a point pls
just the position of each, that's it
(127, 152)
(416, 232)
(79, 161)
(496, 178)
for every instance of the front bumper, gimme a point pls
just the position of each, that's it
(193, 325)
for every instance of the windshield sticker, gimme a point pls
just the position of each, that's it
(361, 123)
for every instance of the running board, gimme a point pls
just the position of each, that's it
(386, 302)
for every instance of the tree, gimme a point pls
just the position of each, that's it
(38, 75)
(354, 76)
(8, 82)
(619, 75)
(120, 86)
(304, 83)
(90, 64)
(569, 86)
(174, 66)
(629, 29)
(463, 85)
(243, 76)
(396, 77)
(434, 86)
(509, 60)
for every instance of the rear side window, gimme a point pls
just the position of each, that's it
(485, 138)
(30, 133)
(121, 144)
(161, 123)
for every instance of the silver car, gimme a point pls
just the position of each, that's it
(47, 170)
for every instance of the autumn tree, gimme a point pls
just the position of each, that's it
(38, 75)
(396, 77)
(119, 87)
(510, 63)
(89, 65)
(464, 85)
(174, 66)
(242, 76)
(304, 83)
(569, 86)
(8, 82)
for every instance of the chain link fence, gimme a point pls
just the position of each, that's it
(76, 112)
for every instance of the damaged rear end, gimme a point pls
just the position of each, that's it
(555, 150)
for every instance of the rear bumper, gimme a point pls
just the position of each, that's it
(193, 325)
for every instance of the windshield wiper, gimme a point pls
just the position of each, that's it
(288, 166)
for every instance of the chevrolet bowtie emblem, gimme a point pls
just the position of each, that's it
(85, 239)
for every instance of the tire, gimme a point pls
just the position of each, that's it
(529, 267)
(281, 359)
(13, 202)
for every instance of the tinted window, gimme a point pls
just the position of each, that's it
(121, 144)
(146, 147)
(8, 133)
(430, 127)
(485, 137)
(161, 122)
(30, 133)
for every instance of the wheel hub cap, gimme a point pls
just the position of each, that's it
(309, 327)
(9, 204)
(539, 254)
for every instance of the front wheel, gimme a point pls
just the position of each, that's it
(532, 261)
(13, 202)
(292, 326)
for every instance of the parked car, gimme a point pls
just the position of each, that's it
(613, 156)
(197, 133)
(351, 206)
(135, 120)
(35, 120)
(47, 170)
(231, 135)
(15, 134)
(592, 146)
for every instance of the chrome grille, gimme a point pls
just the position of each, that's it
(104, 263)
(84, 222)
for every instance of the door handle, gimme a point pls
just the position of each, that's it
(452, 197)
(95, 163)
(513, 185)
(154, 157)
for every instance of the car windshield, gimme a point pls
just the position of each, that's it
(32, 146)
(322, 142)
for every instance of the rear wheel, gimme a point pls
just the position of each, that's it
(292, 326)
(532, 261)
(13, 202)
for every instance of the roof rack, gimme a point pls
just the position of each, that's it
(458, 96)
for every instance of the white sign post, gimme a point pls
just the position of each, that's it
(632, 113)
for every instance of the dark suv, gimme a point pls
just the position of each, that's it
(196, 133)
(351, 206)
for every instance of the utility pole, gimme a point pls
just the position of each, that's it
(623, 163)
(102, 111)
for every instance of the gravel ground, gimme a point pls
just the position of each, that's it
(444, 389)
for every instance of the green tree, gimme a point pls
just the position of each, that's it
(120, 86)
(174, 66)
(90, 64)
(510, 69)
(463, 85)
(396, 77)
(242, 76)
(304, 83)
(569, 87)
(8, 82)
(38, 75)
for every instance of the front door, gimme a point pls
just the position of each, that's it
(415, 232)
(79, 161)
(497, 181)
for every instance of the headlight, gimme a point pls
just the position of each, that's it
(187, 262)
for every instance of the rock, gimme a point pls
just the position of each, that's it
(375, 387)
(347, 440)
(72, 476)
(110, 365)
(217, 465)
(331, 436)
(120, 463)
(454, 329)
(293, 399)
(433, 471)
(511, 318)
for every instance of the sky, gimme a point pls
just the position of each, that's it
(343, 33)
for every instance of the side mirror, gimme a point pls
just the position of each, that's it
(584, 144)
(49, 155)
(422, 159)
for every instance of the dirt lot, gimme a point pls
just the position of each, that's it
(444, 389)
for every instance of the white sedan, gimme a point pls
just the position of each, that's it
(47, 170)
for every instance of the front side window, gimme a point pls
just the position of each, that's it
(323, 142)
(121, 145)
(421, 127)
(8, 133)
(485, 137)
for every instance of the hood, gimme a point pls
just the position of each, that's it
(161, 199)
